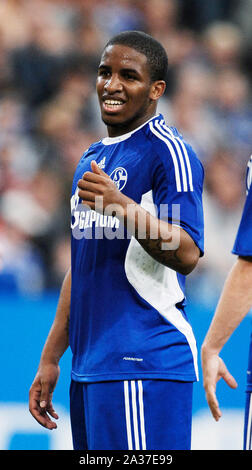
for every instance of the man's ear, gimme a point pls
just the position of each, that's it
(157, 89)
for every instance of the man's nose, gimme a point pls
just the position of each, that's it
(113, 84)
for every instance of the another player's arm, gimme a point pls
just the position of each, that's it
(234, 304)
(185, 254)
(40, 396)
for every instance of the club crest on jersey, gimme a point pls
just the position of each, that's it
(119, 176)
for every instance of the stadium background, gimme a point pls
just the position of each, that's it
(49, 50)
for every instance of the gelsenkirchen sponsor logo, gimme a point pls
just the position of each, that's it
(119, 176)
(108, 223)
(83, 219)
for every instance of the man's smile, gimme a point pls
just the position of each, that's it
(126, 94)
(112, 105)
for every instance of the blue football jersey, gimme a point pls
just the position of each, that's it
(243, 246)
(243, 241)
(128, 316)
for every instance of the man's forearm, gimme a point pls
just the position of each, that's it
(58, 339)
(166, 243)
(234, 304)
(98, 191)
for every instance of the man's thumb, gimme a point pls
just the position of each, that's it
(44, 397)
(96, 169)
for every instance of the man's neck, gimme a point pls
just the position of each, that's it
(125, 128)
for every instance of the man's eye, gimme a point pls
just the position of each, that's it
(104, 73)
(129, 76)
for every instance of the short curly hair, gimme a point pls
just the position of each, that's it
(145, 44)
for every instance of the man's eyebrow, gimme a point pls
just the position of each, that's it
(130, 70)
(103, 66)
(123, 69)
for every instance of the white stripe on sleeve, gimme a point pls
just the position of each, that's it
(173, 155)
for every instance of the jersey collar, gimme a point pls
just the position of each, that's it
(120, 138)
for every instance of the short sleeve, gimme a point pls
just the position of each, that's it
(178, 186)
(243, 241)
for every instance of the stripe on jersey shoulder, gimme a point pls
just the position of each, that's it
(184, 152)
(179, 154)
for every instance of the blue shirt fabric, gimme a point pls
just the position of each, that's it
(243, 241)
(128, 316)
(243, 246)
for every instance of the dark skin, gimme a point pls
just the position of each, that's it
(41, 391)
(123, 75)
(128, 98)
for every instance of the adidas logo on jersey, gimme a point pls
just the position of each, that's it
(101, 164)
(249, 174)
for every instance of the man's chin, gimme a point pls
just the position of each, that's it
(113, 121)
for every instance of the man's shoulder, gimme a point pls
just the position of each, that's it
(93, 147)
(161, 135)
(169, 144)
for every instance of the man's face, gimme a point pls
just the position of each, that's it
(123, 87)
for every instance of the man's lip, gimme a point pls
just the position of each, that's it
(112, 106)
(113, 98)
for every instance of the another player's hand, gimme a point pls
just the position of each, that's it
(98, 191)
(214, 369)
(40, 396)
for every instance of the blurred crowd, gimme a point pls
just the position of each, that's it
(49, 52)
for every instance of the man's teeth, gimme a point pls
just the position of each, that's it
(113, 102)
